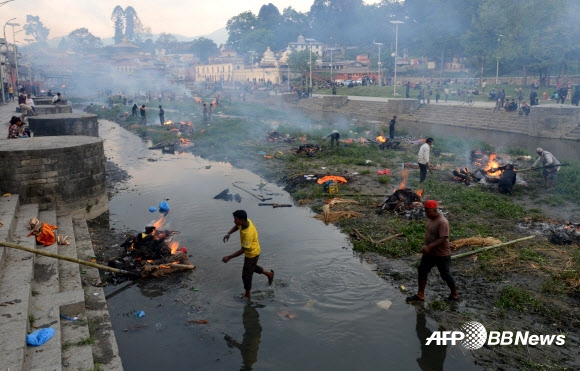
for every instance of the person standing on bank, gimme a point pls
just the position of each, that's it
(392, 127)
(250, 247)
(436, 252)
(423, 160)
(161, 115)
(143, 111)
(551, 167)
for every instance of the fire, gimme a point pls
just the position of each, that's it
(492, 164)
(419, 193)
(197, 99)
(173, 245)
(184, 141)
(168, 122)
(381, 139)
(159, 222)
(404, 175)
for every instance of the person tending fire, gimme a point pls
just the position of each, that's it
(251, 249)
(423, 159)
(551, 167)
(436, 252)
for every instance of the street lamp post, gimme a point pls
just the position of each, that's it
(497, 60)
(29, 63)
(310, 63)
(15, 49)
(2, 41)
(252, 52)
(379, 63)
(331, 50)
(396, 23)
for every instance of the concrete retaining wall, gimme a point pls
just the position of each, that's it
(545, 121)
(64, 124)
(44, 101)
(66, 174)
(49, 109)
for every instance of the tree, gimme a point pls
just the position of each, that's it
(80, 41)
(118, 18)
(36, 29)
(269, 17)
(165, 40)
(238, 27)
(131, 20)
(204, 48)
(299, 62)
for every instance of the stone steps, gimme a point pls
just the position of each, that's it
(15, 288)
(39, 291)
(77, 354)
(8, 206)
(105, 349)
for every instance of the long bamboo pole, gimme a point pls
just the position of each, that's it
(489, 247)
(253, 194)
(67, 258)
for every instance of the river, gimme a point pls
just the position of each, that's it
(320, 314)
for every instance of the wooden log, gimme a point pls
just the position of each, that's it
(62, 257)
(489, 247)
(390, 237)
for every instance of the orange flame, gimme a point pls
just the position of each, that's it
(404, 175)
(381, 139)
(173, 245)
(168, 122)
(420, 193)
(197, 99)
(492, 164)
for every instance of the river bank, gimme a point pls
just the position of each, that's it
(522, 287)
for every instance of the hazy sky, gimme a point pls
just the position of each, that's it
(184, 17)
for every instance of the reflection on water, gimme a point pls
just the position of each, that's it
(251, 339)
(321, 312)
(432, 355)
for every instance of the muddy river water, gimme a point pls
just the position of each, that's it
(323, 312)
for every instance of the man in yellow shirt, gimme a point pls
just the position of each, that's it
(250, 247)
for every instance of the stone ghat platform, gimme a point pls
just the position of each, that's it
(49, 109)
(62, 173)
(64, 124)
(44, 101)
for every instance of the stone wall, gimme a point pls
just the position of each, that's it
(49, 109)
(64, 124)
(66, 174)
(544, 121)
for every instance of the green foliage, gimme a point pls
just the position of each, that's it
(516, 151)
(438, 305)
(527, 254)
(519, 300)
(384, 179)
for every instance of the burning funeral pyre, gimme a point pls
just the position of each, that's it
(153, 253)
(488, 167)
(404, 201)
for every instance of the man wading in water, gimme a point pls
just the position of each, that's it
(250, 247)
(436, 252)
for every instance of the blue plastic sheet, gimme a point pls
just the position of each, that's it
(152, 209)
(40, 336)
(163, 207)
(140, 314)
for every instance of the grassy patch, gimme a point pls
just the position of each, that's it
(518, 299)
(439, 305)
(80, 343)
(527, 254)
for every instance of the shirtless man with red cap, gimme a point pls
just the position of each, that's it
(436, 252)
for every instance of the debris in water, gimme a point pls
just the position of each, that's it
(385, 304)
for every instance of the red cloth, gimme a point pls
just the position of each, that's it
(46, 236)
